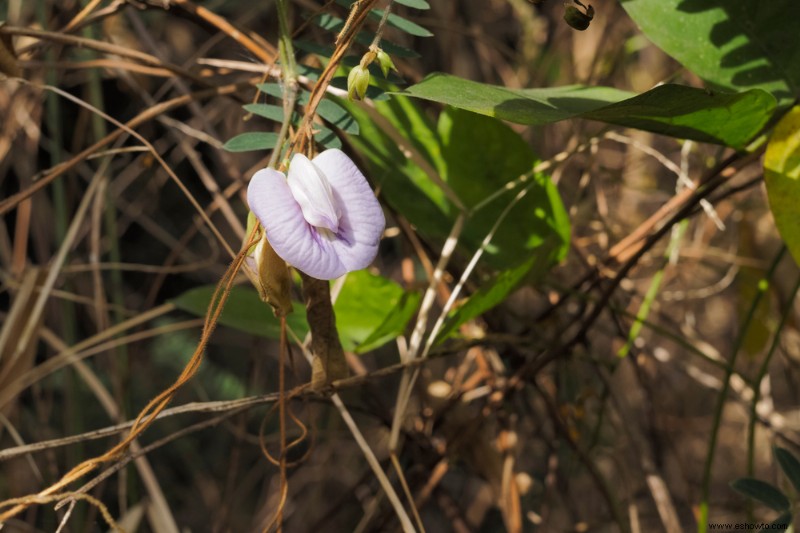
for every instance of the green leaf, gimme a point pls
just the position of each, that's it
(366, 38)
(395, 323)
(328, 22)
(674, 110)
(367, 304)
(763, 492)
(782, 176)
(272, 89)
(477, 156)
(312, 47)
(523, 106)
(401, 24)
(248, 142)
(338, 116)
(789, 464)
(734, 44)
(404, 185)
(480, 156)
(326, 137)
(327, 109)
(486, 297)
(688, 113)
(272, 112)
(244, 311)
(370, 311)
(416, 4)
(335, 24)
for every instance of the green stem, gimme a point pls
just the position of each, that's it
(762, 371)
(702, 525)
(289, 75)
(652, 291)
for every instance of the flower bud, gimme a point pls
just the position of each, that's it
(578, 19)
(357, 83)
(385, 63)
(268, 272)
(368, 58)
(274, 277)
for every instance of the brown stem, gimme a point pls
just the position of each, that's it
(329, 363)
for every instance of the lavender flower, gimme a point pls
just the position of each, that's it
(324, 219)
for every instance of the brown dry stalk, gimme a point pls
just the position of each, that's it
(258, 49)
(85, 12)
(150, 114)
(147, 415)
(100, 46)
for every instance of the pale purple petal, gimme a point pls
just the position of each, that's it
(313, 192)
(361, 223)
(293, 239)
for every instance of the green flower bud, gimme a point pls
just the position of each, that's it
(385, 62)
(357, 83)
(578, 19)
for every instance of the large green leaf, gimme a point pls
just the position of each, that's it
(477, 156)
(675, 110)
(480, 155)
(523, 106)
(734, 44)
(243, 311)
(369, 303)
(782, 175)
(763, 492)
(402, 183)
(689, 113)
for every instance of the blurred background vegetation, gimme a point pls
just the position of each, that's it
(609, 432)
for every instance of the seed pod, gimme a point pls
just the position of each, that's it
(576, 18)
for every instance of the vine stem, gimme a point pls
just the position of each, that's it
(379, 32)
(702, 524)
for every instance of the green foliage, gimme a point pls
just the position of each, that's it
(248, 142)
(416, 4)
(789, 464)
(782, 175)
(401, 23)
(762, 492)
(243, 311)
(674, 110)
(487, 297)
(480, 156)
(770, 495)
(476, 156)
(370, 311)
(732, 44)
